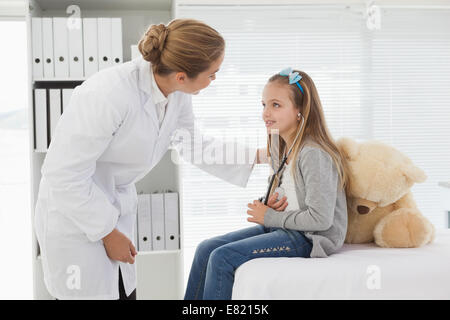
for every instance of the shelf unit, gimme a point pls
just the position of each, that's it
(159, 273)
(39, 80)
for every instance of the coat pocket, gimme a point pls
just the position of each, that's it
(127, 198)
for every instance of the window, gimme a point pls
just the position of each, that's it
(15, 215)
(389, 84)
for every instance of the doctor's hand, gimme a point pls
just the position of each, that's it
(261, 156)
(119, 247)
(278, 205)
(257, 211)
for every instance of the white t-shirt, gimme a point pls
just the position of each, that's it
(288, 185)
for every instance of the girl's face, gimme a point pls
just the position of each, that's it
(279, 112)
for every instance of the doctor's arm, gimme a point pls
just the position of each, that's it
(261, 156)
(82, 135)
(195, 146)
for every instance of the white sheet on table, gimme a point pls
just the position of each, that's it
(410, 273)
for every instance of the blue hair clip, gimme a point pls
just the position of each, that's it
(294, 77)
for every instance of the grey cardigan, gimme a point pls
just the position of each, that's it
(323, 205)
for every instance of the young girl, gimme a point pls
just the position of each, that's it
(313, 221)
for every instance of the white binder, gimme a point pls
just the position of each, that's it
(36, 40)
(47, 49)
(90, 46)
(61, 47)
(104, 42)
(116, 41)
(66, 94)
(171, 221)
(40, 120)
(144, 223)
(158, 235)
(54, 108)
(75, 34)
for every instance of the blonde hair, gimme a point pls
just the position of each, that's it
(184, 45)
(314, 127)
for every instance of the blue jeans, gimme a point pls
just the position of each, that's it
(216, 259)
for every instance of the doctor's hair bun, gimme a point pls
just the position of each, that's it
(152, 43)
(184, 45)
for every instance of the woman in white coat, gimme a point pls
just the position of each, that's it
(118, 125)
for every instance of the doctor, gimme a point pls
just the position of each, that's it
(118, 125)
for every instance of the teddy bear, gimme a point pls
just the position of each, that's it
(380, 205)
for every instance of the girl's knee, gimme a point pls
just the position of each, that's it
(218, 256)
(206, 246)
(202, 247)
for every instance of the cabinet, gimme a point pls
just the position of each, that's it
(159, 273)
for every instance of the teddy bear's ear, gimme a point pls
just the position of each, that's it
(348, 147)
(414, 173)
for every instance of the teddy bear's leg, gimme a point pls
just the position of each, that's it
(403, 228)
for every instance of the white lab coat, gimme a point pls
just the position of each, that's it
(107, 139)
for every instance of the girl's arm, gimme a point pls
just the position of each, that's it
(321, 183)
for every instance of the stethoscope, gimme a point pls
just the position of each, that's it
(279, 189)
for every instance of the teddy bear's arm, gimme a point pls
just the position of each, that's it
(404, 228)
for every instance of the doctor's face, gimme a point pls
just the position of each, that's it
(204, 79)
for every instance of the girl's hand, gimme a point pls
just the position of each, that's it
(257, 211)
(278, 205)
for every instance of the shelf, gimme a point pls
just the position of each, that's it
(59, 79)
(106, 4)
(149, 253)
(166, 277)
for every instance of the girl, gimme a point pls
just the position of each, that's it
(313, 221)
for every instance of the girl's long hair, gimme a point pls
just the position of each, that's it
(314, 127)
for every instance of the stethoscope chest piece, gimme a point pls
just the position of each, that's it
(280, 192)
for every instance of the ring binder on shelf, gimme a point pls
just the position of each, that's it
(61, 51)
(36, 42)
(48, 47)
(40, 120)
